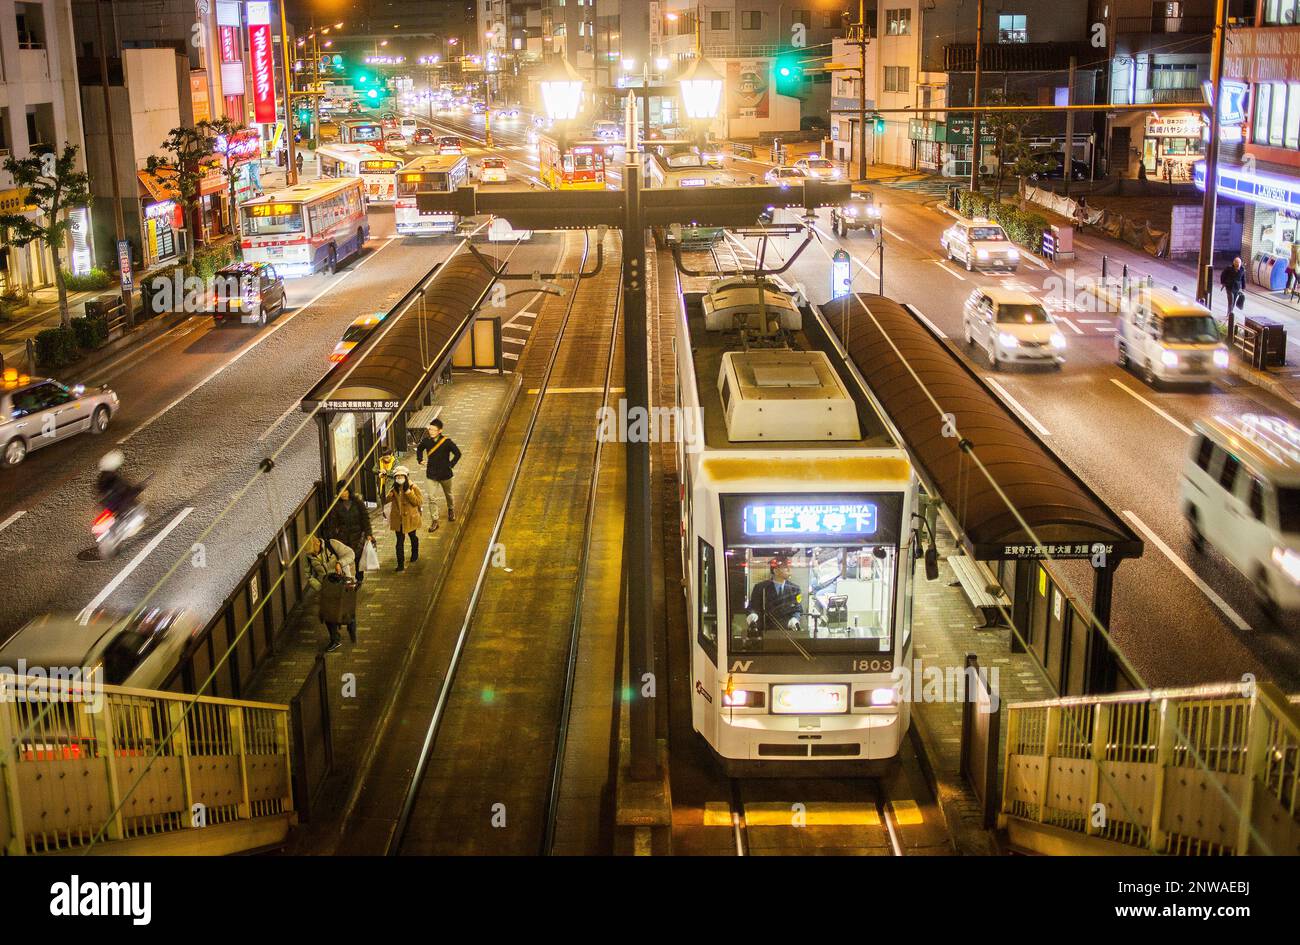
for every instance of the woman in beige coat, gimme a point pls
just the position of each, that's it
(404, 505)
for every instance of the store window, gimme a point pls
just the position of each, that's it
(1173, 75)
(898, 22)
(1277, 115)
(1280, 12)
(1013, 28)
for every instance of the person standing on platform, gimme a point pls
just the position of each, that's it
(440, 455)
(349, 523)
(330, 573)
(404, 503)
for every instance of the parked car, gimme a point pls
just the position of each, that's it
(355, 334)
(607, 130)
(785, 176)
(980, 244)
(250, 293)
(712, 154)
(139, 652)
(1240, 494)
(1168, 338)
(860, 213)
(38, 411)
(1055, 170)
(492, 170)
(819, 168)
(1011, 326)
(422, 136)
(394, 142)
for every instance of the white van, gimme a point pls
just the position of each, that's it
(407, 127)
(1240, 493)
(1168, 337)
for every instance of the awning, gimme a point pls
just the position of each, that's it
(1066, 516)
(413, 342)
(159, 186)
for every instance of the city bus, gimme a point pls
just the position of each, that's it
(303, 229)
(432, 174)
(378, 171)
(361, 131)
(579, 165)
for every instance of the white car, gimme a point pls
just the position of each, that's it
(492, 170)
(1010, 326)
(980, 244)
(38, 411)
(818, 168)
(395, 142)
(785, 176)
(407, 127)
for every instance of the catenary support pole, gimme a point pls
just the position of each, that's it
(119, 223)
(975, 98)
(291, 154)
(1205, 259)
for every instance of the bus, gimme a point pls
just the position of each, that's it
(303, 229)
(378, 171)
(432, 174)
(675, 164)
(580, 165)
(361, 131)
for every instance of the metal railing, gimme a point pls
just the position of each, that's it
(1201, 771)
(83, 765)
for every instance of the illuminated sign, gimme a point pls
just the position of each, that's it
(811, 519)
(1232, 111)
(806, 699)
(691, 182)
(272, 209)
(242, 146)
(1275, 192)
(229, 44)
(260, 51)
(380, 165)
(163, 208)
(841, 274)
(1176, 126)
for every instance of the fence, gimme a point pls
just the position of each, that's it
(1200, 771)
(81, 765)
(313, 738)
(981, 716)
(1138, 235)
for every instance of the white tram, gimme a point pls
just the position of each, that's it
(797, 540)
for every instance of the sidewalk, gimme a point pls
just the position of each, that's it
(391, 607)
(40, 312)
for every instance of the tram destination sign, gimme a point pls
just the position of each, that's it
(812, 519)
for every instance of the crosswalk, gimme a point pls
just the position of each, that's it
(514, 336)
(930, 186)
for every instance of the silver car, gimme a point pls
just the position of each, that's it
(38, 411)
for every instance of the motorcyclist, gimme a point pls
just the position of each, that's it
(116, 492)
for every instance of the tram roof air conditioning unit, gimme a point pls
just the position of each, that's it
(741, 303)
(779, 395)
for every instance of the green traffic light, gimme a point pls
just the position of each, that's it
(373, 93)
(785, 70)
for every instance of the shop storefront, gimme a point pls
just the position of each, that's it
(928, 138)
(242, 152)
(1171, 146)
(956, 154)
(213, 202)
(1272, 219)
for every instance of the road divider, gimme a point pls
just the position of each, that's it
(1028, 417)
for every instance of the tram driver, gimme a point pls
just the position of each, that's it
(776, 602)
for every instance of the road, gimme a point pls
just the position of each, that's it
(1179, 617)
(201, 407)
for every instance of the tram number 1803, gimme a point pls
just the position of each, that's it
(876, 665)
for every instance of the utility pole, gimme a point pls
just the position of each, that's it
(1069, 126)
(119, 223)
(290, 163)
(1205, 259)
(975, 98)
(862, 90)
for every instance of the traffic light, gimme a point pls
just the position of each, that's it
(789, 74)
(373, 93)
(878, 123)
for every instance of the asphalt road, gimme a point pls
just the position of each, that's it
(201, 407)
(1179, 617)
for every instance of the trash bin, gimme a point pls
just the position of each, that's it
(1270, 341)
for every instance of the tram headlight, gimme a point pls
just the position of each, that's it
(885, 696)
(744, 698)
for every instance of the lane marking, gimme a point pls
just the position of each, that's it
(929, 324)
(125, 573)
(1134, 394)
(890, 232)
(279, 420)
(11, 519)
(1073, 327)
(944, 266)
(277, 325)
(827, 253)
(1029, 417)
(1188, 573)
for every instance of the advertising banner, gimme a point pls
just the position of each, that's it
(260, 51)
(747, 87)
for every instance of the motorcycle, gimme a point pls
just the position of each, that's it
(113, 526)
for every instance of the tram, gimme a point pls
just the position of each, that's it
(673, 164)
(575, 165)
(798, 534)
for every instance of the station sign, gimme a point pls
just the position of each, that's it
(366, 406)
(841, 274)
(811, 519)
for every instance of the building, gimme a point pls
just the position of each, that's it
(39, 112)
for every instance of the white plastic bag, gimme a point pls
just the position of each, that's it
(370, 557)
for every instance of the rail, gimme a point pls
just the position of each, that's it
(1201, 771)
(107, 769)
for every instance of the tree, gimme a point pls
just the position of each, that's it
(186, 149)
(224, 131)
(1010, 132)
(53, 185)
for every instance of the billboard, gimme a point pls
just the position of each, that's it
(748, 87)
(260, 51)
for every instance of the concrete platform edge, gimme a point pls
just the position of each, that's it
(965, 841)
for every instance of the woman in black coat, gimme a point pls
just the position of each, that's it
(349, 522)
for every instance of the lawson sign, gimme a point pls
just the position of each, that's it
(1278, 192)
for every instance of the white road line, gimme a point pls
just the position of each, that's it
(1096, 321)
(279, 420)
(11, 519)
(1035, 260)
(277, 325)
(946, 268)
(929, 324)
(1134, 394)
(1103, 329)
(125, 573)
(1072, 326)
(827, 253)
(1029, 417)
(1188, 573)
(891, 232)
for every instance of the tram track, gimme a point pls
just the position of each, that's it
(791, 817)
(514, 702)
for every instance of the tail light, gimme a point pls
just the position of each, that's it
(338, 356)
(103, 522)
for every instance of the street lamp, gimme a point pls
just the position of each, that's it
(561, 92)
(701, 87)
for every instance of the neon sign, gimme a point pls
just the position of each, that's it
(1256, 188)
(259, 44)
(810, 519)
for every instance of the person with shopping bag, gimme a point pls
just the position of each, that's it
(349, 522)
(403, 505)
(330, 572)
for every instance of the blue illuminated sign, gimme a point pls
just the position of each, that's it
(1256, 188)
(809, 520)
(1232, 111)
(841, 274)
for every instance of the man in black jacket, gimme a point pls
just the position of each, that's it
(1233, 280)
(442, 456)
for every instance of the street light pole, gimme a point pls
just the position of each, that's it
(975, 99)
(119, 222)
(291, 166)
(1205, 258)
(862, 91)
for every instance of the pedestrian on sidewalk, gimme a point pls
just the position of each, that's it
(1293, 266)
(349, 522)
(384, 469)
(1233, 281)
(330, 569)
(442, 456)
(404, 503)
(298, 159)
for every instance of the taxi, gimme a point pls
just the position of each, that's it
(980, 244)
(356, 333)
